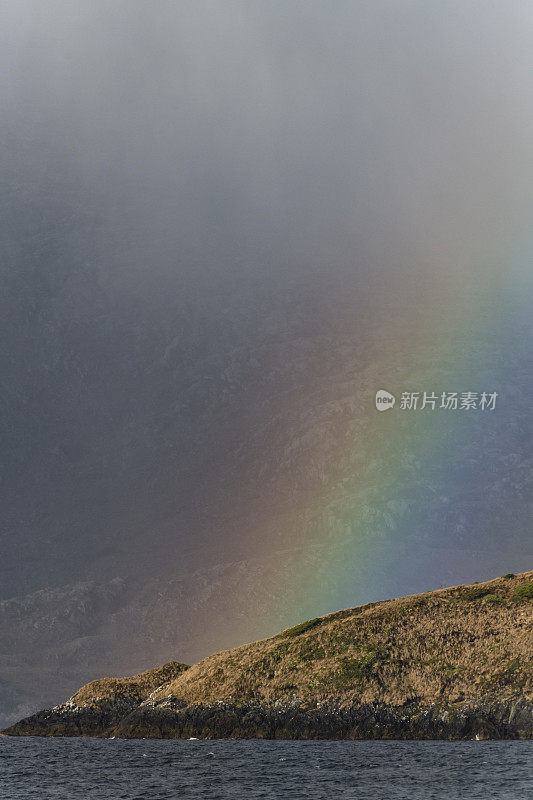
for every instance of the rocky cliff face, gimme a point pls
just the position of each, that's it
(454, 663)
(487, 719)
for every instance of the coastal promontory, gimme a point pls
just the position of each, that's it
(454, 663)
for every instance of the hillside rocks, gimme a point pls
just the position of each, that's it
(490, 719)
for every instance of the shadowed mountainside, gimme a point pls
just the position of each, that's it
(453, 663)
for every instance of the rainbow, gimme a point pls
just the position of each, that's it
(411, 500)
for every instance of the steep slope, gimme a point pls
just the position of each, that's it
(452, 663)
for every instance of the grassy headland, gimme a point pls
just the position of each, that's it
(444, 664)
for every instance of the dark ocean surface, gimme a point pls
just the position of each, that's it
(64, 769)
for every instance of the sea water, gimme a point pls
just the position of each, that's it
(147, 769)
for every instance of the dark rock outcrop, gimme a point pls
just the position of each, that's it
(491, 719)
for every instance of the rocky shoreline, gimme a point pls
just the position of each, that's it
(491, 719)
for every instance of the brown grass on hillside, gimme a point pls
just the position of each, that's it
(136, 687)
(448, 645)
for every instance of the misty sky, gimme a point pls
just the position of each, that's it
(290, 136)
(184, 182)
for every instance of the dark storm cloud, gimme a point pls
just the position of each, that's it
(177, 176)
(323, 131)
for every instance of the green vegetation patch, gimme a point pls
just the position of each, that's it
(303, 627)
(355, 671)
(523, 592)
(476, 593)
(311, 651)
(493, 598)
(271, 660)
